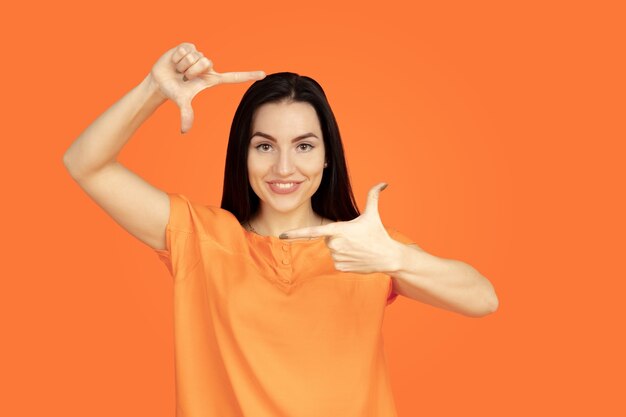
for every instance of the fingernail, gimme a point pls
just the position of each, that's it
(282, 236)
(383, 187)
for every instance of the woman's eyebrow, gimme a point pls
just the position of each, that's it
(266, 136)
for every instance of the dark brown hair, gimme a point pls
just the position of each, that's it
(333, 199)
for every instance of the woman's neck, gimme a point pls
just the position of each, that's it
(274, 224)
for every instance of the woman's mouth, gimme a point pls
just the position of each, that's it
(286, 188)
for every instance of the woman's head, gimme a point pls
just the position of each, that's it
(273, 112)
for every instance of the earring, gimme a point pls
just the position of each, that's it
(325, 164)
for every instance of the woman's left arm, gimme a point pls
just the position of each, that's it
(445, 283)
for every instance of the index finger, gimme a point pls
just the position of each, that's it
(313, 231)
(241, 76)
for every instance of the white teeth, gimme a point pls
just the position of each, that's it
(285, 186)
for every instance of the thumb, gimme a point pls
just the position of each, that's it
(371, 207)
(184, 102)
(186, 116)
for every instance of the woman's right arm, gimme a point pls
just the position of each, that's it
(140, 208)
(102, 141)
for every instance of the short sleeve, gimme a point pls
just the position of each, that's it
(392, 295)
(395, 235)
(180, 233)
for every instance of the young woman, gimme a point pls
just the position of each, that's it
(280, 292)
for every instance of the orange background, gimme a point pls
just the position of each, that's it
(498, 126)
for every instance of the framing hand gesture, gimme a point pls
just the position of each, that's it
(360, 245)
(182, 72)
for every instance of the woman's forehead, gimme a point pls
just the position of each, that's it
(286, 118)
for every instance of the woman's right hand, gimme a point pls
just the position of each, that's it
(182, 72)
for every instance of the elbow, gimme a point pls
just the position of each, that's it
(71, 165)
(68, 165)
(488, 306)
(491, 303)
(490, 299)
(66, 160)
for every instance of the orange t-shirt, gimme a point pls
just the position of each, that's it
(269, 328)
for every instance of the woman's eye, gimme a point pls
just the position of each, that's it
(262, 148)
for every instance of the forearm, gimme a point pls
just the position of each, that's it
(101, 142)
(444, 283)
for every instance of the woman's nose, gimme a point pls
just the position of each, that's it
(285, 163)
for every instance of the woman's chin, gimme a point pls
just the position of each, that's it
(285, 206)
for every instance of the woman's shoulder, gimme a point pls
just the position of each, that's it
(195, 216)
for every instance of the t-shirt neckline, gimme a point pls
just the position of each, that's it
(274, 239)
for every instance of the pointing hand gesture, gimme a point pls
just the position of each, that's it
(182, 72)
(360, 245)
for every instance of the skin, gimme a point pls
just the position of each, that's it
(363, 246)
(302, 160)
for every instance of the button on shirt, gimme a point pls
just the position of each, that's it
(269, 328)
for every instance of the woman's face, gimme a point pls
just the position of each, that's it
(287, 146)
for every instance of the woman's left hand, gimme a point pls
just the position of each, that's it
(360, 245)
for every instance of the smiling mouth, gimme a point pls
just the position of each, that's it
(283, 188)
(285, 183)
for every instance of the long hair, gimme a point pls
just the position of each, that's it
(333, 199)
